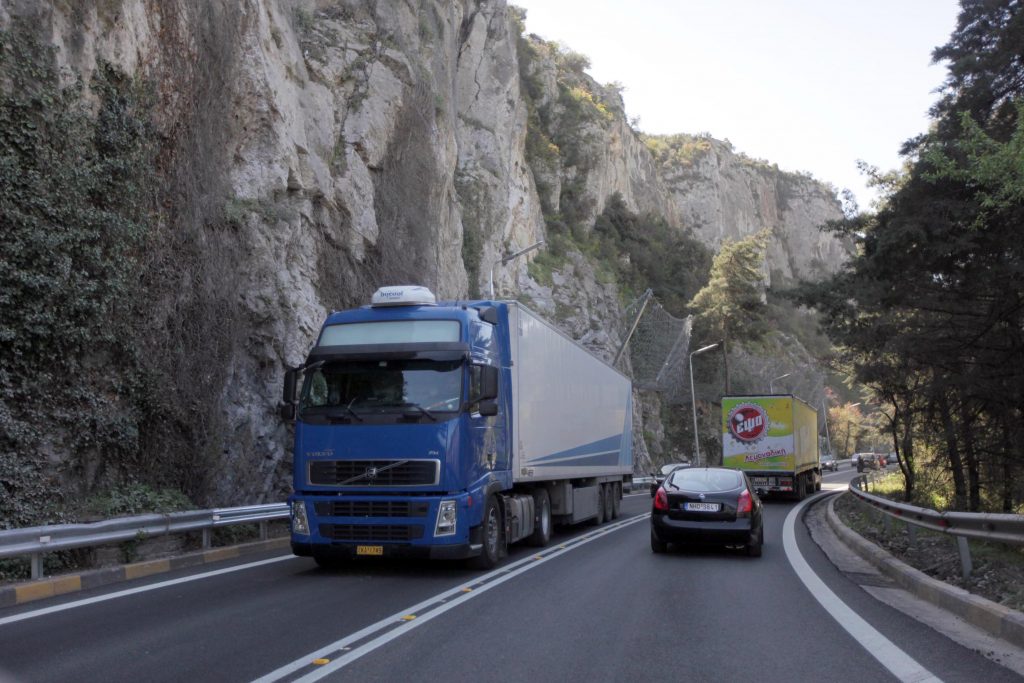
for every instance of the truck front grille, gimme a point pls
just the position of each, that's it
(361, 473)
(367, 533)
(371, 508)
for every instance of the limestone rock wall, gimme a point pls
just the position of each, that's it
(348, 144)
(723, 196)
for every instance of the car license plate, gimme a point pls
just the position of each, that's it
(369, 550)
(760, 481)
(701, 507)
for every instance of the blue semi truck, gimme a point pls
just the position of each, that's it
(450, 430)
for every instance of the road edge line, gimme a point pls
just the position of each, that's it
(895, 660)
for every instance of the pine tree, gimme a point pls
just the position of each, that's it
(732, 306)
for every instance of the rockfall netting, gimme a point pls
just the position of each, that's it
(657, 346)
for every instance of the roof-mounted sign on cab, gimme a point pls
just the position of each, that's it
(403, 295)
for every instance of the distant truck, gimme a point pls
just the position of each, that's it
(450, 430)
(774, 439)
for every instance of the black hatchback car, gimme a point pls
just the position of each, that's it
(707, 505)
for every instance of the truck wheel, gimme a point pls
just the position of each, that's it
(616, 499)
(801, 487)
(600, 506)
(491, 537)
(542, 519)
(609, 502)
(657, 545)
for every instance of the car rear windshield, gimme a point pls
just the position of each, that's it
(705, 480)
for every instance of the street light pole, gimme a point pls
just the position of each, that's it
(846, 447)
(693, 398)
(505, 259)
(771, 389)
(828, 439)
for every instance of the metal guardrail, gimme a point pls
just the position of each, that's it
(38, 540)
(984, 526)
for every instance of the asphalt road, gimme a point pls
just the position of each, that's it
(601, 608)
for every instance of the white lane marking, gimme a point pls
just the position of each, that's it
(140, 589)
(899, 663)
(400, 627)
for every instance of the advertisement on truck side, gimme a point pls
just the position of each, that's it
(758, 434)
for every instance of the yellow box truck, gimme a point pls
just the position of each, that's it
(774, 439)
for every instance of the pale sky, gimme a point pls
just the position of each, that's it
(812, 85)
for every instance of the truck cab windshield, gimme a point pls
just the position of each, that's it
(356, 390)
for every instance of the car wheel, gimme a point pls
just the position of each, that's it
(657, 545)
(755, 544)
(542, 519)
(491, 552)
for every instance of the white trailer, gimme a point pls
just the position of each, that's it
(571, 423)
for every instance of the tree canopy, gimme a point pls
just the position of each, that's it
(930, 313)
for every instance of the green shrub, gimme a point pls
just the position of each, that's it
(137, 499)
(75, 196)
(641, 251)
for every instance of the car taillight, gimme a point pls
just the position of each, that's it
(745, 504)
(661, 501)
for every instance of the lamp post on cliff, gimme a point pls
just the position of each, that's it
(508, 257)
(771, 382)
(693, 398)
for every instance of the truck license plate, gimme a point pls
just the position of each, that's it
(701, 507)
(760, 481)
(369, 550)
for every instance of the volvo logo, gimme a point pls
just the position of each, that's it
(371, 473)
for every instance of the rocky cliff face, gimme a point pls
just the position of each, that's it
(333, 146)
(723, 196)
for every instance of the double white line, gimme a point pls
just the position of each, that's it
(332, 657)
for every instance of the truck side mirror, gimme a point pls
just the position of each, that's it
(488, 407)
(488, 383)
(290, 380)
(287, 408)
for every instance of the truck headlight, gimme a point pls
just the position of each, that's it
(300, 523)
(447, 513)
